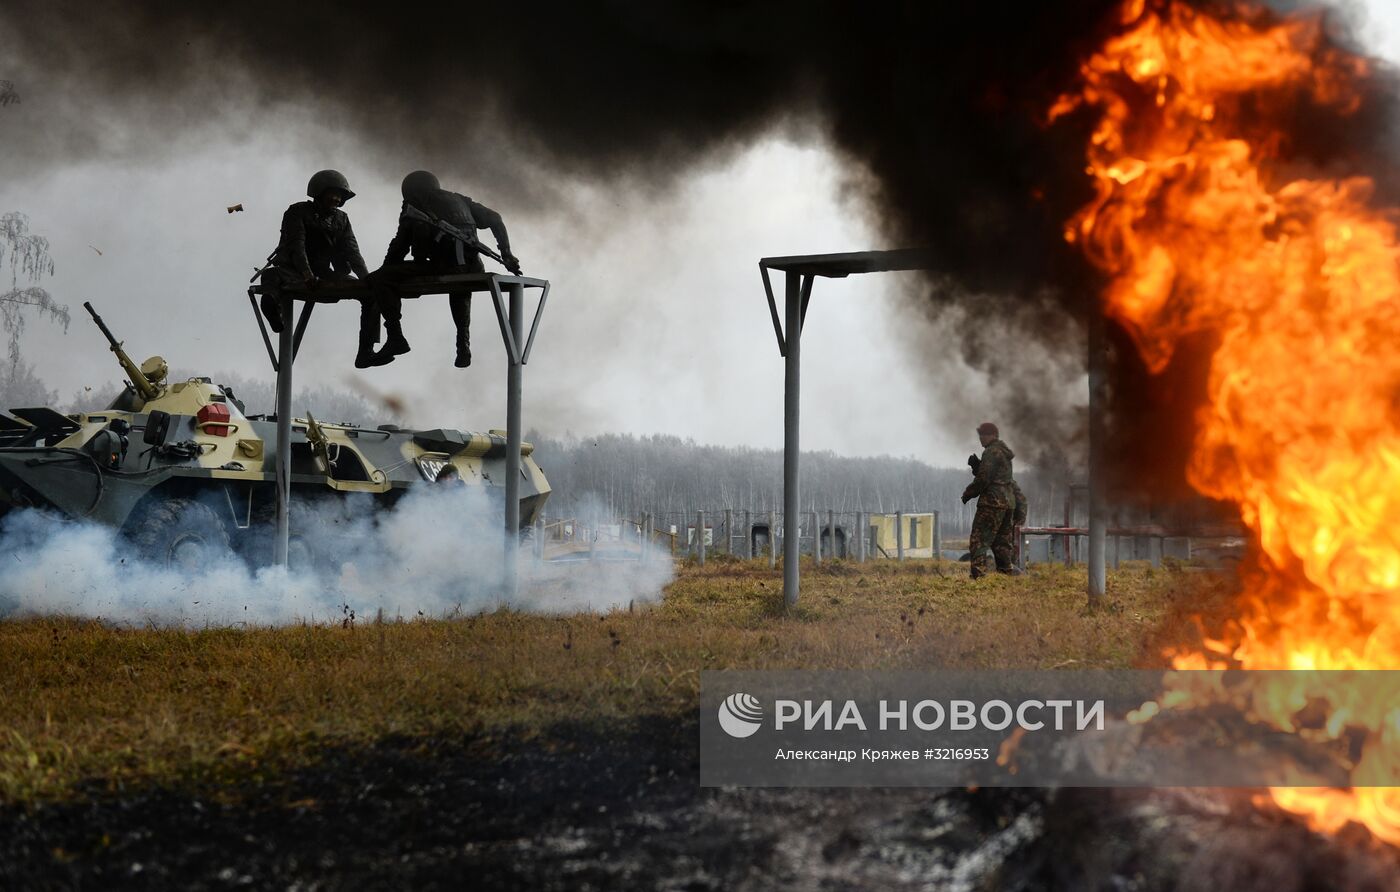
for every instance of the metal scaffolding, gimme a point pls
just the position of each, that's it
(508, 297)
(800, 271)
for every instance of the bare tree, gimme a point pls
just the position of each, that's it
(29, 261)
(625, 474)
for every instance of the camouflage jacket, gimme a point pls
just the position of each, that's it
(992, 487)
(430, 245)
(319, 244)
(1022, 509)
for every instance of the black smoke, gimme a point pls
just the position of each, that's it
(938, 108)
(939, 102)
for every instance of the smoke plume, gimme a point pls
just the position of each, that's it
(437, 553)
(938, 108)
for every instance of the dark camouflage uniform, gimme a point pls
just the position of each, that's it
(437, 254)
(1004, 545)
(996, 504)
(320, 244)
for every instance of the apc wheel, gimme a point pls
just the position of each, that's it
(307, 545)
(180, 534)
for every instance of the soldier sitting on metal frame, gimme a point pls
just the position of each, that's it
(435, 253)
(318, 243)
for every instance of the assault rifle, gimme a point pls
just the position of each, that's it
(465, 240)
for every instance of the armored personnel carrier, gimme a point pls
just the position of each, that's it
(179, 468)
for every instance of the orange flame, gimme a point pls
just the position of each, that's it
(1201, 227)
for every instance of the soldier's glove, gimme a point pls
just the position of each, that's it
(974, 463)
(512, 263)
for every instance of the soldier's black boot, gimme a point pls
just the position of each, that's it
(367, 358)
(395, 344)
(464, 351)
(462, 318)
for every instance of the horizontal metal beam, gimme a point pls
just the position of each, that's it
(838, 266)
(330, 292)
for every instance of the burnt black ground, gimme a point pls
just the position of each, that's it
(618, 807)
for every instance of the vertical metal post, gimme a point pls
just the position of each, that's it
(831, 525)
(938, 537)
(792, 394)
(285, 360)
(1098, 508)
(1069, 539)
(1117, 549)
(773, 544)
(861, 536)
(700, 536)
(899, 534)
(514, 385)
(728, 531)
(816, 538)
(748, 535)
(645, 535)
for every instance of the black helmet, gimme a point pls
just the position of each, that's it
(322, 180)
(419, 183)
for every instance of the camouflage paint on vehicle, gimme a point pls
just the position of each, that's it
(212, 453)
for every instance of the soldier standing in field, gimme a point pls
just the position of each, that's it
(434, 253)
(996, 500)
(1004, 545)
(318, 243)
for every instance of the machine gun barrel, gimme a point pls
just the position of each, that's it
(138, 380)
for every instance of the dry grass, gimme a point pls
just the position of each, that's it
(82, 700)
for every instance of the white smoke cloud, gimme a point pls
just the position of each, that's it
(437, 553)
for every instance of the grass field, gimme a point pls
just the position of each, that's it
(85, 704)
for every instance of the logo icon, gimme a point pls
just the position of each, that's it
(740, 715)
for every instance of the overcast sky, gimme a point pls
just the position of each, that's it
(656, 323)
